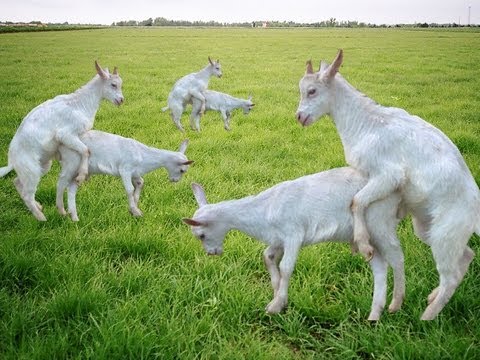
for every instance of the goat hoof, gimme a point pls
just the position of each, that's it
(40, 217)
(136, 212)
(367, 252)
(394, 307)
(62, 211)
(80, 179)
(275, 307)
(39, 206)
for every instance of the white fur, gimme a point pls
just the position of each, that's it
(59, 121)
(220, 102)
(399, 151)
(301, 212)
(118, 156)
(190, 86)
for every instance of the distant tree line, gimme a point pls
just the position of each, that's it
(10, 26)
(332, 22)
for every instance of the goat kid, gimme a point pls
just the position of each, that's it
(301, 212)
(401, 152)
(118, 156)
(190, 86)
(220, 102)
(59, 121)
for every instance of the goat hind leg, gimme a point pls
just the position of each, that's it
(452, 257)
(27, 187)
(467, 258)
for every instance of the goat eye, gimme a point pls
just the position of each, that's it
(202, 237)
(114, 86)
(182, 171)
(311, 92)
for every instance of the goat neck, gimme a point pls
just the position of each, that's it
(88, 97)
(353, 113)
(246, 215)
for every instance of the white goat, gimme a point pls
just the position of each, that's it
(220, 102)
(118, 156)
(401, 152)
(59, 121)
(301, 212)
(190, 86)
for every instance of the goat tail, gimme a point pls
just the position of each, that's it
(165, 108)
(5, 170)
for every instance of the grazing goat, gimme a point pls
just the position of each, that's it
(220, 102)
(308, 210)
(118, 156)
(399, 151)
(59, 121)
(191, 86)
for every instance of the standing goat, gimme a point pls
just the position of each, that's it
(118, 156)
(191, 86)
(59, 121)
(220, 102)
(308, 210)
(401, 152)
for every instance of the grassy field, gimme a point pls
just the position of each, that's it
(115, 287)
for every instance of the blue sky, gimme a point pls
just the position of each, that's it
(371, 11)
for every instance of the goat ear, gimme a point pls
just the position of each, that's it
(100, 71)
(192, 222)
(332, 70)
(183, 146)
(323, 66)
(309, 69)
(210, 61)
(115, 71)
(188, 162)
(199, 194)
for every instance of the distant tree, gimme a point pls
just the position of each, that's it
(148, 22)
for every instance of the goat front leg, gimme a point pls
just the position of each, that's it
(286, 267)
(379, 269)
(62, 184)
(377, 188)
(199, 96)
(130, 188)
(226, 120)
(138, 184)
(73, 142)
(71, 200)
(271, 257)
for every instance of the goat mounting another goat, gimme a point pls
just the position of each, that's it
(190, 86)
(400, 151)
(59, 121)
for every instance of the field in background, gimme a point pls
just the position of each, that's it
(115, 287)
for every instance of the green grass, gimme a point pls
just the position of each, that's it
(115, 287)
